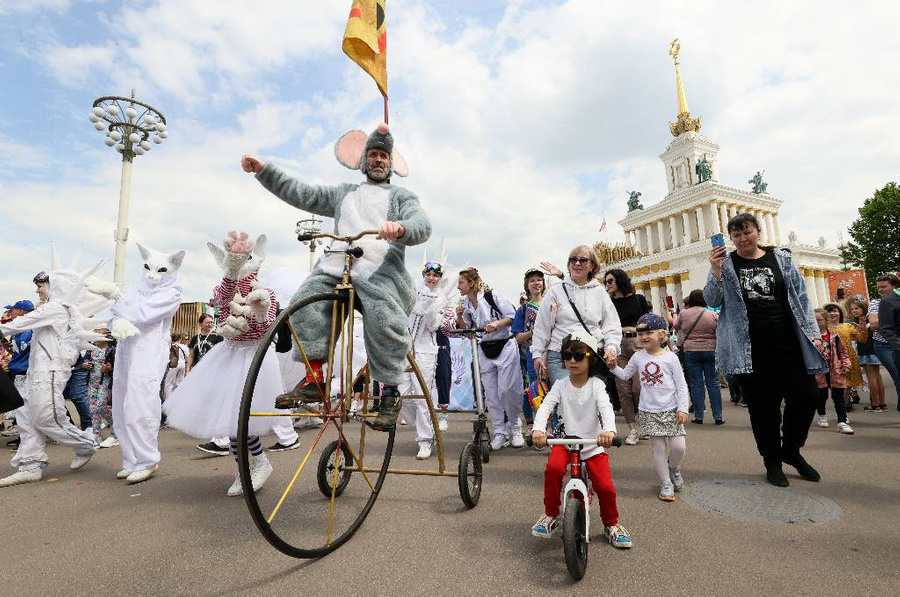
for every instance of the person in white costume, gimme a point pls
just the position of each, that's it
(498, 355)
(424, 321)
(141, 322)
(60, 330)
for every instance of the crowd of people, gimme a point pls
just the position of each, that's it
(587, 340)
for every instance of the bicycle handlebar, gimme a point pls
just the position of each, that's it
(579, 442)
(466, 331)
(346, 239)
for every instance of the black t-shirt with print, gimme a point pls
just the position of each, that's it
(201, 344)
(764, 291)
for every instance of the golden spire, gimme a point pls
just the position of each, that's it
(684, 122)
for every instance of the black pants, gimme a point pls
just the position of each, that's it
(837, 396)
(442, 375)
(779, 374)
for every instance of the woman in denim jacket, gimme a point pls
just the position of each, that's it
(767, 337)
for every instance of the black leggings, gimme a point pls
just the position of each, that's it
(840, 406)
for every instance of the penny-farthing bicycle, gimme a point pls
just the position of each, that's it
(313, 506)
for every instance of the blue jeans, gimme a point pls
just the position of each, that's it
(889, 358)
(700, 364)
(555, 368)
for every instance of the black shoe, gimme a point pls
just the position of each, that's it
(776, 476)
(697, 421)
(13, 444)
(741, 402)
(803, 468)
(212, 448)
(720, 421)
(280, 447)
(388, 410)
(306, 392)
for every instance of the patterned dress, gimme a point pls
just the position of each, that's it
(99, 388)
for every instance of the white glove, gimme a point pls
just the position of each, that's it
(105, 289)
(233, 264)
(258, 302)
(234, 326)
(122, 329)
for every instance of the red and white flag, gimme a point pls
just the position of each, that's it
(603, 224)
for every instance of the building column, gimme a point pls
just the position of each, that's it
(822, 287)
(670, 288)
(811, 291)
(701, 226)
(661, 229)
(685, 285)
(770, 226)
(777, 229)
(679, 295)
(723, 209)
(673, 232)
(655, 302)
(732, 211)
(650, 246)
(763, 229)
(686, 220)
(642, 288)
(714, 212)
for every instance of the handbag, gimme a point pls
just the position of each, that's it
(493, 348)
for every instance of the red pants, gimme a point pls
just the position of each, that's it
(601, 481)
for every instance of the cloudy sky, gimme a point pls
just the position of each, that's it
(523, 122)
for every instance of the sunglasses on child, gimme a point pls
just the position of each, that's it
(578, 356)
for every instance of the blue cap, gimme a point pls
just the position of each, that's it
(651, 321)
(24, 305)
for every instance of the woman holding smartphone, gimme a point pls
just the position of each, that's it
(768, 337)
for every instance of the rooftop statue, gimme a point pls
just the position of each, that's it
(759, 187)
(634, 201)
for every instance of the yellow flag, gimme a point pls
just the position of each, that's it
(365, 39)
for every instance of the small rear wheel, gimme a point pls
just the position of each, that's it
(328, 462)
(470, 475)
(575, 545)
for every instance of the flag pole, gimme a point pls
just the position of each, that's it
(385, 109)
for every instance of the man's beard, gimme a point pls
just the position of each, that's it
(381, 176)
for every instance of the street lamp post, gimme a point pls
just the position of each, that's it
(130, 126)
(311, 225)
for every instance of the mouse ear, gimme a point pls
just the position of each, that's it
(349, 149)
(398, 164)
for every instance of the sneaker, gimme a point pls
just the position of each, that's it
(11, 430)
(618, 536)
(677, 478)
(403, 422)
(13, 445)
(303, 422)
(545, 526)
(236, 489)
(110, 442)
(388, 410)
(123, 474)
(306, 392)
(79, 461)
(632, 438)
(21, 477)
(280, 447)
(805, 470)
(667, 492)
(499, 442)
(212, 448)
(142, 475)
(720, 421)
(742, 402)
(845, 428)
(823, 421)
(424, 452)
(443, 423)
(260, 469)
(515, 437)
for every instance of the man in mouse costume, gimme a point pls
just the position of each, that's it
(385, 289)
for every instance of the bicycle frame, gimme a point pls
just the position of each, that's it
(578, 481)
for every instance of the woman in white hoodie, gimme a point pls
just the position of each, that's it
(580, 303)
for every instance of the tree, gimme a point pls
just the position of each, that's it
(876, 235)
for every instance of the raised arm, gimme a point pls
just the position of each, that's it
(318, 199)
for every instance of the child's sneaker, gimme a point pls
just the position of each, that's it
(667, 492)
(618, 536)
(545, 527)
(823, 421)
(845, 428)
(632, 438)
(677, 478)
(499, 442)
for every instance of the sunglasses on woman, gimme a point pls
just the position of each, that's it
(578, 356)
(579, 260)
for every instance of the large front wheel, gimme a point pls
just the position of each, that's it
(305, 510)
(575, 545)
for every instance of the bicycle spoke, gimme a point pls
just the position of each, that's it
(290, 485)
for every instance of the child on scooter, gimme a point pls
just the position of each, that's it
(663, 410)
(585, 411)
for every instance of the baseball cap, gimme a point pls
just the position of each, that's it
(651, 321)
(24, 305)
(583, 337)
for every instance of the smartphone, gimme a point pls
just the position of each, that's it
(718, 240)
(670, 303)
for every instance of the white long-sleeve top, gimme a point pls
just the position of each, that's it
(483, 314)
(585, 411)
(50, 351)
(596, 309)
(424, 321)
(662, 381)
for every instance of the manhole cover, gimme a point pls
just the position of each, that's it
(753, 501)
